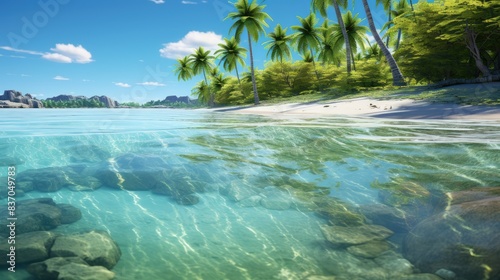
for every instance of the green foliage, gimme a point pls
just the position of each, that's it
(434, 46)
(79, 103)
(130, 104)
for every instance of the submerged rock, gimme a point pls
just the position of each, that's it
(52, 179)
(33, 215)
(73, 268)
(371, 249)
(339, 235)
(133, 172)
(465, 238)
(39, 214)
(238, 191)
(69, 213)
(189, 199)
(397, 220)
(337, 212)
(95, 247)
(30, 247)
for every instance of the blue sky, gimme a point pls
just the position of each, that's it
(123, 49)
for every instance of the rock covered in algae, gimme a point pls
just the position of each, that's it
(30, 247)
(371, 249)
(337, 212)
(339, 235)
(465, 238)
(347, 266)
(73, 268)
(95, 247)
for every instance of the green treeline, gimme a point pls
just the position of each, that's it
(80, 103)
(422, 43)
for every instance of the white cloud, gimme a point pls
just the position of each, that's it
(152, 84)
(60, 78)
(189, 2)
(17, 56)
(20, 50)
(189, 43)
(62, 53)
(69, 52)
(56, 57)
(158, 1)
(123, 85)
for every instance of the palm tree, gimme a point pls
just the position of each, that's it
(321, 6)
(230, 54)
(201, 92)
(397, 76)
(278, 45)
(201, 62)
(218, 81)
(307, 37)
(400, 9)
(327, 52)
(249, 16)
(387, 5)
(183, 69)
(355, 32)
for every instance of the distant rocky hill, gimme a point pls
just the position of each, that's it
(108, 102)
(15, 99)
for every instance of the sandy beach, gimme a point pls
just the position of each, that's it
(370, 107)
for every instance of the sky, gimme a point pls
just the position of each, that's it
(124, 49)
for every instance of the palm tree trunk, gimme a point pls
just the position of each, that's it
(353, 63)
(254, 84)
(237, 75)
(210, 98)
(397, 76)
(389, 26)
(314, 64)
(344, 34)
(399, 38)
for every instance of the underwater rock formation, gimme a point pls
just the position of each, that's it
(68, 268)
(96, 248)
(464, 239)
(30, 247)
(51, 179)
(38, 215)
(341, 236)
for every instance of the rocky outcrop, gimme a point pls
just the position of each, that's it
(94, 247)
(181, 99)
(463, 239)
(15, 99)
(108, 102)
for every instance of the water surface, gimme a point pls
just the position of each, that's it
(305, 164)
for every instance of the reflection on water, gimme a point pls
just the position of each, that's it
(190, 195)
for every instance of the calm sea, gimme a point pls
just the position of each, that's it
(247, 195)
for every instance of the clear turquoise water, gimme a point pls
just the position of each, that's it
(352, 159)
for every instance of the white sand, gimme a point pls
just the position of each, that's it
(367, 107)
